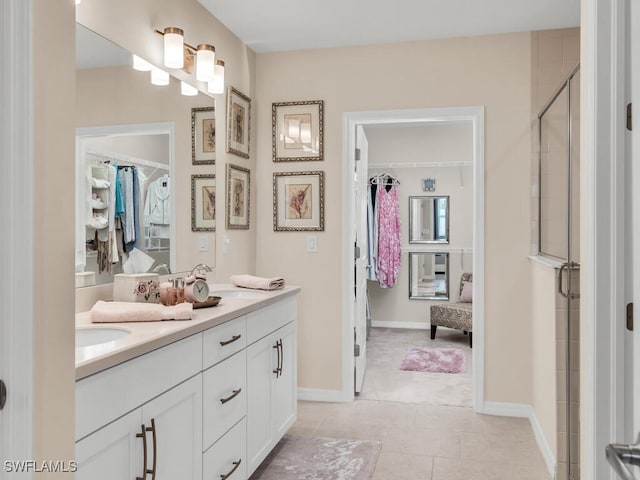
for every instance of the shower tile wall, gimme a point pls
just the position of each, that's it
(574, 371)
(554, 54)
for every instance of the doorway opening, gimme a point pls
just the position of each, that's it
(356, 180)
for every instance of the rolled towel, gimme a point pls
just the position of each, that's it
(119, 312)
(261, 283)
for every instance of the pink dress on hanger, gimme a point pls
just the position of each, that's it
(389, 250)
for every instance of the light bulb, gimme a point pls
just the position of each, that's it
(159, 77)
(217, 85)
(141, 64)
(173, 47)
(187, 89)
(205, 62)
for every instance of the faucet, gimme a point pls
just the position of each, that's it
(200, 266)
(162, 266)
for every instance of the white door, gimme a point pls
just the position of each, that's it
(360, 227)
(624, 455)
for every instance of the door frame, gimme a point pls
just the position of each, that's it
(603, 260)
(475, 114)
(16, 236)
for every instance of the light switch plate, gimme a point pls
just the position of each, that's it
(312, 244)
(203, 243)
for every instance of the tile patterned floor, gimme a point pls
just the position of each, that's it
(424, 440)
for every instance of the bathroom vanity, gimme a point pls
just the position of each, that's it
(199, 399)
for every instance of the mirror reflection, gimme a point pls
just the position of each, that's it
(130, 135)
(429, 275)
(429, 219)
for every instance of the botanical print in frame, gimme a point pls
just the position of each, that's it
(203, 136)
(238, 195)
(297, 131)
(238, 123)
(203, 203)
(298, 201)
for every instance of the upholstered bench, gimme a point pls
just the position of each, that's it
(458, 315)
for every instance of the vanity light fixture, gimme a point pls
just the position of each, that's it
(173, 47)
(141, 64)
(159, 77)
(205, 62)
(187, 89)
(217, 85)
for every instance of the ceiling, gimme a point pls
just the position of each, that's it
(279, 25)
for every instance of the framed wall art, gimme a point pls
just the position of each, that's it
(297, 131)
(238, 123)
(298, 201)
(203, 136)
(238, 195)
(203, 203)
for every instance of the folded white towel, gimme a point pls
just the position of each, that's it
(110, 312)
(261, 283)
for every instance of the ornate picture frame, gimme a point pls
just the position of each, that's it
(238, 197)
(238, 123)
(297, 131)
(298, 201)
(203, 136)
(203, 203)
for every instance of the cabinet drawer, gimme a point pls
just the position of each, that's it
(105, 396)
(224, 397)
(266, 320)
(227, 454)
(223, 341)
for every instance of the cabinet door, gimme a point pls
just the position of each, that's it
(113, 452)
(261, 363)
(285, 391)
(177, 416)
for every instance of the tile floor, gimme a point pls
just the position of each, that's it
(424, 440)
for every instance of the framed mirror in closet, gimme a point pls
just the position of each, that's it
(429, 219)
(429, 275)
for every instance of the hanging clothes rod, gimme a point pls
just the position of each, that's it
(381, 180)
(127, 159)
(380, 166)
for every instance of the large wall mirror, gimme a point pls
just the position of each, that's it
(429, 275)
(138, 134)
(429, 219)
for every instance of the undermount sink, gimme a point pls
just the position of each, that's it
(237, 293)
(85, 337)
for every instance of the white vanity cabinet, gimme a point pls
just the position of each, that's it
(271, 380)
(145, 411)
(209, 406)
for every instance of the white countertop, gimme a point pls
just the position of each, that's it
(148, 336)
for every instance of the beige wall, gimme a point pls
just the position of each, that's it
(543, 339)
(53, 258)
(127, 96)
(494, 71)
(130, 25)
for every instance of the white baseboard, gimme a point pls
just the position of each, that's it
(525, 411)
(319, 395)
(410, 325)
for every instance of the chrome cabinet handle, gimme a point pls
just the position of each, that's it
(235, 467)
(281, 357)
(155, 449)
(233, 395)
(143, 436)
(619, 455)
(233, 339)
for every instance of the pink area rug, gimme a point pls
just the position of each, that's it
(436, 360)
(315, 458)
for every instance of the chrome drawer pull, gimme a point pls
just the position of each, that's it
(235, 467)
(233, 339)
(231, 397)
